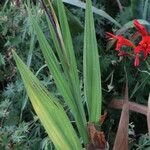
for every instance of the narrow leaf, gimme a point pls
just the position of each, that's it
(49, 111)
(121, 140)
(137, 8)
(91, 67)
(68, 87)
(148, 115)
(57, 45)
(97, 11)
(145, 9)
(74, 22)
(73, 79)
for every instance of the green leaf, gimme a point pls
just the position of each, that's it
(58, 47)
(145, 9)
(67, 85)
(137, 8)
(97, 11)
(91, 67)
(71, 71)
(74, 23)
(49, 111)
(2, 60)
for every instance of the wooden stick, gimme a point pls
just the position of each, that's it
(118, 103)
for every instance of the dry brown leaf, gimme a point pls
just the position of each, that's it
(148, 115)
(103, 117)
(121, 140)
(97, 139)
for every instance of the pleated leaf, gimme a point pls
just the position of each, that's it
(74, 79)
(91, 67)
(49, 111)
(61, 53)
(67, 85)
(71, 71)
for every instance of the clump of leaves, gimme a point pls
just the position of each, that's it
(15, 32)
(68, 87)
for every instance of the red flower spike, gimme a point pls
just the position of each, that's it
(137, 50)
(141, 29)
(137, 60)
(121, 41)
(143, 46)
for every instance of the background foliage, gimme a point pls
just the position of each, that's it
(19, 128)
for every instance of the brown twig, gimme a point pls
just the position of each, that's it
(118, 103)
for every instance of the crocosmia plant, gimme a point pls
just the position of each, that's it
(143, 47)
(60, 89)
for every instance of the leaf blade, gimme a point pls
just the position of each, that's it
(91, 67)
(63, 84)
(145, 9)
(97, 11)
(72, 72)
(49, 111)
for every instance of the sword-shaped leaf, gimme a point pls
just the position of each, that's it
(49, 111)
(91, 67)
(67, 85)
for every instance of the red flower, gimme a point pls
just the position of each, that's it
(136, 61)
(141, 29)
(143, 46)
(121, 41)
